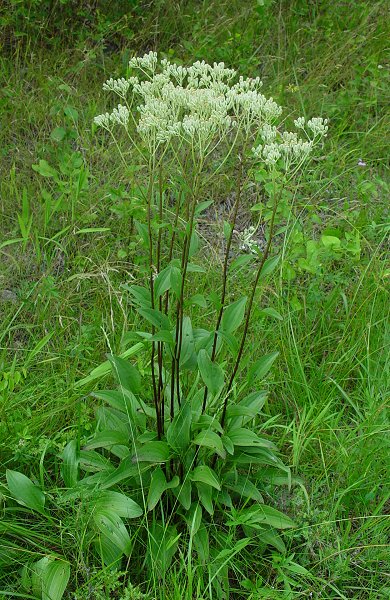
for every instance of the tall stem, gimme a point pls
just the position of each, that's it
(160, 399)
(249, 310)
(151, 285)
(225, 267)
(175, 373)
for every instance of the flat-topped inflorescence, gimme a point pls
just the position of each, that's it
(200, 105)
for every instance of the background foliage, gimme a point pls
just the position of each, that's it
(67, 245)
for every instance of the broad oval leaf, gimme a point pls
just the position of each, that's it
(156, 318)
(245, 437)
(212, 374)
(55, 579)
(205, 494)
(156, 452)
(112, 526)
(107, 439)
(25, 492)
(206, 475)
(260, 514)
(178, 433)
(119, 504)
(183, 493)
(269, 265)
(157, 487)
(70, 465)
(233, 315)
(128, 376)
(209, 439)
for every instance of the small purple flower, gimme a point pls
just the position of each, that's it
(361, 163)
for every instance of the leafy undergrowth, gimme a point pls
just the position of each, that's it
(69, 244)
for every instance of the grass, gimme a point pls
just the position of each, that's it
(62, 305)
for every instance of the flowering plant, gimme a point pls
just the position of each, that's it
(185, 442)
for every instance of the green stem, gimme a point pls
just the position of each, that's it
(249, 310)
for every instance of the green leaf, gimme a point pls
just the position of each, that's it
(205, 494)
(44, 169)
(25, 492)
(193, 268)
(112, 526)
(93, 462)
(187, 343)
(233, 315)
(248, 408)
(58, 134)
(271, 312)
(206, 475)
(201, 206)
(140, 294)
(243, 487)
(269, 265)
(245, 437)
(92, 230)
(107, 439)
(104, 368)
(271, 538)
(120, 504)
(70, 465)
(156, 452)
(211, 372)
(183, 494)
(210, 439)
(241, 261)
(157, 487)
(193, 518)
(109, 552)
(162, 282)
(156, 318)
(128, 376)
(199, 300)
(202, 544)
(71, 112)
(194, 244)
(55, 579)
(162, 545)
(261, 367)
(261, 514)
(178, 433)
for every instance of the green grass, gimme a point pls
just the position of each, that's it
(62, 306)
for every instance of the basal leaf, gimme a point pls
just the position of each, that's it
(119, 504)
(25, 491)
(205, 474)
(211, 372)
(209, 439)
(178, 433)
(107, 439)
(158, 485)
(55, 580)
(156, 452)
(127, 376)
(112, 526)
(70, 465)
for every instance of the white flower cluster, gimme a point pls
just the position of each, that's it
(119, 115)
(202, 103)
(317, 126)
(287, 145)
(148, 62)
(119, 86)
(247, 241)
